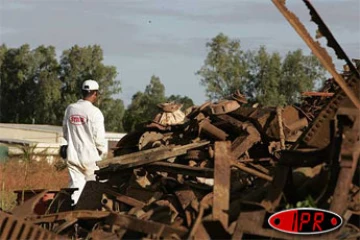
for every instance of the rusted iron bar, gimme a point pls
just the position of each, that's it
(350, 153)
(233, 121)
(318, 51)
(125, 199)
(222, 172)
(80, 214)
(149, 156)
(331, 41)
(211, 130)
(251, 171)
(317, 94)
(181, 169)
(147, 227)
(260, 168)
(281, 129)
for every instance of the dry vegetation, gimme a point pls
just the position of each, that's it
(24, 174)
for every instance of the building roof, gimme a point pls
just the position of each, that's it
(52, 128)
(33, 127)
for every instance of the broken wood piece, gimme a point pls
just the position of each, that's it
(149, 156)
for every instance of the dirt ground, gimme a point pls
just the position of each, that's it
(21, 174)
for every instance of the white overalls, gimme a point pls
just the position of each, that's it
(84, 131)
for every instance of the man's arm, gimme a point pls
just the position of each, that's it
(64, 125)
(99, 134)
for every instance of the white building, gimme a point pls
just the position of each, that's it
(42, 139)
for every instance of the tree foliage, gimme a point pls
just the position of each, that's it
(143, 106)
(36, 88)
(225, 68)
(264, 77)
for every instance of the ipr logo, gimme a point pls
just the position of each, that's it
(305, 221)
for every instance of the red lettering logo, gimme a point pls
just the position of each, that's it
(305, 221)
(77, 119)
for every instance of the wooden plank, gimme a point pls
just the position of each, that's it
(149, 156)
(181, 169)
(221, 200)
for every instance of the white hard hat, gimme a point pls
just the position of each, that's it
(90, 85)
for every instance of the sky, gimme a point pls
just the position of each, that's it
(167, 38)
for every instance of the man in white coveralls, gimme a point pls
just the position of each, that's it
(84, 131)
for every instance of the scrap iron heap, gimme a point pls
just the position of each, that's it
(220, 169)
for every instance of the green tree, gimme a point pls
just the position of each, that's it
(265, 76)
(3, 50)
(225, 69)
(115, 111)
(47, 95)
(80, 63)
(299, 73)
(143, 106)
(29, 85)
(17, 85)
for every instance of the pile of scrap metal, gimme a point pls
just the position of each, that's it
(217, 171)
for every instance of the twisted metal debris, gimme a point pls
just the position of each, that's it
(219, 170)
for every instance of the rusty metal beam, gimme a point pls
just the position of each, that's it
(324, 31)
(349, 157)
(148, 227)
(209, 129)
(125, 199)
(81, 214)
(221, 199)
(181, 169)
(251, 171)
(318, 51)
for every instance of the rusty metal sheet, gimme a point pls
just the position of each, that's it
(274, 192)
(224, 106)
(243, 143)
(27, 208)
(12, 227)
(222, 174)
(185, 196)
